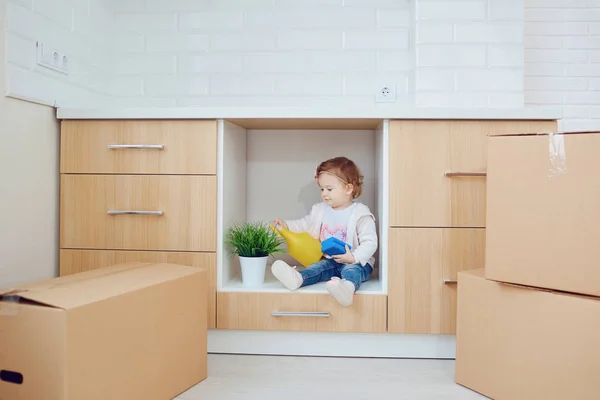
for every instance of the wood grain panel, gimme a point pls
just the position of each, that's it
(190, 147)
(420, 261)
(189, 204)
(421, 152)
(76, 261)
(237, 310)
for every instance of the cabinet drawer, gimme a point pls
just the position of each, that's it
(75, 261)
(423, 263)
(255, 311)
(437, 170)
(139, 147)
(138, 212)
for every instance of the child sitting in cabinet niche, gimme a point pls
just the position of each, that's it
(337, 215)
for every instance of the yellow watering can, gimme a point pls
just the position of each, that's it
(302, 246)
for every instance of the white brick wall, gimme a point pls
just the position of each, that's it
(263, 52)
(562, 59)
(469, 53)
(80, 28)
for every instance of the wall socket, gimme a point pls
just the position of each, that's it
(385, 94)
(51, 58)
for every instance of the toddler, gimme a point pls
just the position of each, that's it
(337, 215)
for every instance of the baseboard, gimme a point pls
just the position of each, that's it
(331, 344)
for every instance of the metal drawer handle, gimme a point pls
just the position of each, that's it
(459, 174)
(299, 314)
(136, 146)
(133, 212)
(449, 281)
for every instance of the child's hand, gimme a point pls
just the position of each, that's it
(280, 224)
(346, 258)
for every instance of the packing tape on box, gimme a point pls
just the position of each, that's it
(558, 157)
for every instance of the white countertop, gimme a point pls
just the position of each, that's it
(309, 113)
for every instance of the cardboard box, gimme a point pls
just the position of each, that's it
(515, 342)
(543, 211)
(133, 331)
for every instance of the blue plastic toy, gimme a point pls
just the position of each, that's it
(333, 246)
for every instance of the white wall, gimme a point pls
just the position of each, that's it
(562, 55)
(81, 29)
(29, 172)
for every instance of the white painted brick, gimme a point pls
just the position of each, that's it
(561, 3)
(594, 112)
(544, 69)
(451, 56)
(590, 97)
(489, 80)
(326, 18)
(507, 100)
(431, 32)
(130, 43)
(128, 6)
(59, 11)
(557, 56)
(378, 3)
(543, 42)
(176, 42)
(276, 62)
(505, 56)
(595, 29)
(498, 32)
(578, 125)
(206, 63)
(241, 4)
(367, 84)
(582, 70)
(138, 64)
(336, 61)
(146, 22)
(25, 3)
(211, 20)
(387, 40)
(20, 51)
(243, 41)
(595, 56)
(587, 14)
(137, 101)
(452, 10)
(433, 79)
(540, 14)
(308, 85)
(576, 112)
(558, 84)
(308, 3)
(591, 42)
(175, 5)
(506, 10)
(391, 61)
(556, 28)
(391, 18)
(544, 97)
(167, 86)
(127, 85)
(241, 85)
(309, 40)
(454, 100)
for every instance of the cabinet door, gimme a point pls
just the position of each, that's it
(139, 212)
(437, 170)
(75, 261)
(423, 264)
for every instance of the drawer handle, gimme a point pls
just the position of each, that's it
(299, 314)
(133, 212)
(459, 174)
(450, 282)
(136, 146)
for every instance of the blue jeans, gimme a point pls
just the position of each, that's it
(327, 268)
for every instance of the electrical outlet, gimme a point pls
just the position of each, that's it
(385, 94)
(52, 58)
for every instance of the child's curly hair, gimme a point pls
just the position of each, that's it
(345, 170)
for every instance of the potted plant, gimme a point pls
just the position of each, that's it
(253, 242)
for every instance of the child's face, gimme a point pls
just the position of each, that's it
(333, 191)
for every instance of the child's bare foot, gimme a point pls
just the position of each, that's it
(287, 275)
(342, 290)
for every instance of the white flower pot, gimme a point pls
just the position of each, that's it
(253, 271)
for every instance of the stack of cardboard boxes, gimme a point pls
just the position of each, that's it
(528, 322)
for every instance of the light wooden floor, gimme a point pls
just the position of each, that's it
(236, 377)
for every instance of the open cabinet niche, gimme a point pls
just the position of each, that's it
(266, 171)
